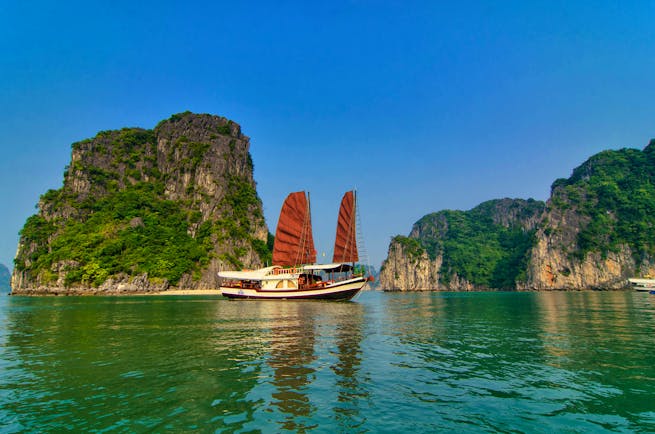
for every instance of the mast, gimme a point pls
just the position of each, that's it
(294, 242)
(345, 243)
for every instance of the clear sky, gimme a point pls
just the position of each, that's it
(420, 106)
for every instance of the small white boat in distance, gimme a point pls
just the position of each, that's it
(290, 277)
(643, 285)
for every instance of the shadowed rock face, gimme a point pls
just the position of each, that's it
(596, 230)
(147, 210)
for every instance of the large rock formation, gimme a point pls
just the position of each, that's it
(596, 230)
(144, 210)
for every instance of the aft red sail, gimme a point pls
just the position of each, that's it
(345, 244)
(294, 243)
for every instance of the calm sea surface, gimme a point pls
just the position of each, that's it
(387, 362)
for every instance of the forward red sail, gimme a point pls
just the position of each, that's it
(294, 243)
(345, 244)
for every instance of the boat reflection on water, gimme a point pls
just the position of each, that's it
(292, 340)
(299, 333)
(350, 391)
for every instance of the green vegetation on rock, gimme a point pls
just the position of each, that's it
(479, 248)
(132, 231)
(615, 191)
(411, 246)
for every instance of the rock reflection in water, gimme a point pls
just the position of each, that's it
(126, 364)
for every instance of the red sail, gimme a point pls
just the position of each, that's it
(345, 244)
(294, 243)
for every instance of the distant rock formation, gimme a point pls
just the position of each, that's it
(483, 248)
(144, 210)
(596, 230)
(374, 274)
(5, 277)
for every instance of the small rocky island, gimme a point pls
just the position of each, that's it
(147, 210)
(596, 230)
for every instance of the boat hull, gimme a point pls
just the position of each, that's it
(338, 291)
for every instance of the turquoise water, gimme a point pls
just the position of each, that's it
(388, 362)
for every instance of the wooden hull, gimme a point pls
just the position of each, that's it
(337, 291)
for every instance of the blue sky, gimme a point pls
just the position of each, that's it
(420, 106)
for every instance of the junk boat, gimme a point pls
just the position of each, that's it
(294, 274)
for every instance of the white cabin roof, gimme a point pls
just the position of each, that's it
(328, 267)
(268, 273)
(259, 274)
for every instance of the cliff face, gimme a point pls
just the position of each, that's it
(408, 267)
(596, 230)
(599, 226)
(144, 210)
(482, 248)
